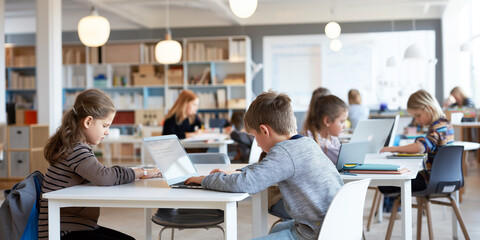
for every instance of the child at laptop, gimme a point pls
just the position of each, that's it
(72, 162)
(426, 111)
(305, 176)
(182, 119)
(324, 122)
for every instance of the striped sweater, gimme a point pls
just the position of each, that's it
(440, 133)
(80, 167)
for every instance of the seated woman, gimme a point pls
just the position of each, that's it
(182, 119)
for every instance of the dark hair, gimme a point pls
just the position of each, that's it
(327, 106)
(237, 119)
(273, 109)
(92, 102)
(319, 92)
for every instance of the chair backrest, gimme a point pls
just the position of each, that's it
(255, 152)
(446, 175)
(344, 218)
(19, 211)
(209, 158)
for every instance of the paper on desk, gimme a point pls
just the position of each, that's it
(206, 137)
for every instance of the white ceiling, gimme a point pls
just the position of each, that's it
(144, 14)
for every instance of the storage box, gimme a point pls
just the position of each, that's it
(146, 69)
(237, 103)
(146, 80)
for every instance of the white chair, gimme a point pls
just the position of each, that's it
(344, 218)
(255, 152)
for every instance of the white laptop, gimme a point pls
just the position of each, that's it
(374, 131)
(171, 159)
(352, 152)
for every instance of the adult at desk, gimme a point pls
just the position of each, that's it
(182, 119)
(458, 99)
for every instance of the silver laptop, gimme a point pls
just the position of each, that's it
(171, 159)
(352, 152)
(374, 131)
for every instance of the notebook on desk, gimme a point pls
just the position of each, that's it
(171, 159)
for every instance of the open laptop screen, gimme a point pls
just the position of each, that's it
(170, 157)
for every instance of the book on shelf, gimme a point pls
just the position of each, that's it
(221, 98)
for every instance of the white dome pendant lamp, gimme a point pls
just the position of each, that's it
(335, 45)
(243, 8)
(333, 30)
(168, 51)
(413, 51)
(93, 30)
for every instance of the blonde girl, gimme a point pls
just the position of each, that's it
(72, 162)
(182, 119)
(324, 122)
(426, 112)
(356, 111)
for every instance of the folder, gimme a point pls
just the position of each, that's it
(406, 155)
(374, 168)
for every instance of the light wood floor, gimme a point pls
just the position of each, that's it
(131, 221)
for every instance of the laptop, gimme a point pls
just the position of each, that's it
(352, 152)
(171, 159)
(374, 131)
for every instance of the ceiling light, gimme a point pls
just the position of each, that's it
(93, 30)
(413, 52)
(335, 45)
(392, 62)
(243, 8)
(333, 30)
(168, 51)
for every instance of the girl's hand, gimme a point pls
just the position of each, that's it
(153, 173)
(387, 149)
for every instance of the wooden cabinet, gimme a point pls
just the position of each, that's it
(24, 153)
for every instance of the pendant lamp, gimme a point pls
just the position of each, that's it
(333, 30)
(168, 51)
(413, 51)
(392, 61)
(93, 30)
(243, 8)
(335, 45)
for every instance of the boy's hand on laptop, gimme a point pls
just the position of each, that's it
(194, 180)
(223, 171)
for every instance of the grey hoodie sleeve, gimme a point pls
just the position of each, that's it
(275, 167)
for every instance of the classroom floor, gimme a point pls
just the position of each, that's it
(131, 221)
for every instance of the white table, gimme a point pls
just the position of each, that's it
(260, 204)
(108, 141)
(148, 193)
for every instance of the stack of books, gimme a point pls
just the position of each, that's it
(358, 168)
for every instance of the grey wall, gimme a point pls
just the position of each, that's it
(257, 33)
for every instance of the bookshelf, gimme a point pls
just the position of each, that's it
(216, 68)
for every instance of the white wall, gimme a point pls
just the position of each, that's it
(456, 31)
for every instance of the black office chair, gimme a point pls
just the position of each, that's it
(446, 177)
(171, 218)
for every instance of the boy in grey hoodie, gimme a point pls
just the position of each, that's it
(306, 177)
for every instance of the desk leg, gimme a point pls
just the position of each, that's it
(223, 148)
(455, 224)
(53, 220)
(230, 220)
(260, 214)
(148, 224)
(407, 210)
